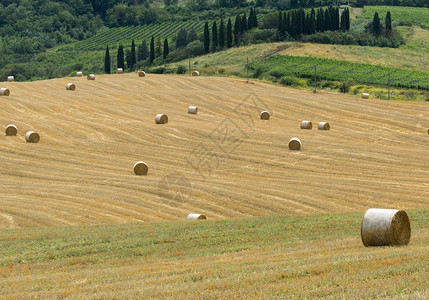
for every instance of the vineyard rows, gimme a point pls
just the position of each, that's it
(336, 70)
(123, 35)
(407, 16)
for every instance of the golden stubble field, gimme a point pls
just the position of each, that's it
(223, 162)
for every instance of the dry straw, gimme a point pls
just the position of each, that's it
(306, 125)
(70, 86)
(265, 115)
(196, 217)
(90, 77)
(32, 137)
(195, 73)
(142, 74)
(119, 71)
(295, 144)
(192, 110)
(365, 96)
(11, 130)
(10, 78)
(323, 126)
(161, 119)
(140, 168)
(4, 92)
(385, 227)
(79, 74)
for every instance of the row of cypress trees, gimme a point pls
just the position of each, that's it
(377, 27)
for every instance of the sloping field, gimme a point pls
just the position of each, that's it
(224, 162)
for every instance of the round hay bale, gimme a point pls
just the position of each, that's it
(79, 74)
(365, 96)
(265, 115)
(295, 144)
(140, 168)
(11, 130)
(32, 137)
(90, 77)
(385, 227)
(119, 71)
(324, 126)
(192, 110)
(195, 73)
(142, 74)
(192, 217)
(70, 86)
(161, 119)
(10, 78)
(306, 125)
(4, 92)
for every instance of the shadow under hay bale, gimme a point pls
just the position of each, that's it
(11, 130)
(192, 110)
(195, 73)
(324, 126)
(142, 74)
(192, 217)
(385, 227)
(140, 168)
(10, 78)
(265, 115)
(4, 92)
(32, 137)
(365, 96)
(306, 125)
(119, 71)
(295, 144)
(79, 74)
(161, 119)
(70, 86)
(90, 77)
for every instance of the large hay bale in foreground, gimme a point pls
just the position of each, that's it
(196, 217)
(324, 126)
(161, 119)
(306, 125)
(32, 137)
(265, 115)
(195, 73)
(10, 78)
(295, 144)
(70, 86)
(385, 227)
(79, 74)
(4, 92)
(142, 74)
(11, 130)
(192, 110)
(119, 71)
(140, 168)
(90, 77)
(365, 96)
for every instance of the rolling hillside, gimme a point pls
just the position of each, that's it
(224, 162)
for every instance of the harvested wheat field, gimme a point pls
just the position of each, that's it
(224, 162)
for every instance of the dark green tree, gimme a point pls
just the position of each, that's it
(221, 35)
(152, 50)
(214, 36)
(166, 49)
(254, 19)
(182, 38)
(143, 52)
(388, 23)
(312, 22)
(133, 55)
(376, 26)
(120, 58)
(320, 22)
(107, 61)
(327, 18)
(280, 25)
(229, 34)
(206, 38)
(244, 23)
(237, 28)
(249, 20)
(128, 58)
(347, 18)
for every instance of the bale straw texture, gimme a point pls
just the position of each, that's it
(79, 74)
(365, 96)
(196, 217)
(161, 119)
(90, 77)
(385, 227)
(324, 126)
(119, 71)
(306, 125)
(142, 74)
(140, 168)
(11, 130)
(4, 92)
(265, 115)
(192, 110)
(295, 144)
(32, 137)
(70, 86)
(195, 73)
(10, 78)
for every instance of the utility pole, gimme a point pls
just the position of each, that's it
(189, 65)
(247, 67)
(315, 79)
(111, 63)
(388, 88)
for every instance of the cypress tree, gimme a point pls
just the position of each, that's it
(142, 52)
(284, 25)
(152, 50)
(244, 23)
(237, 28)
(166, 49)
(254, 19)
(280, 24)
(107, 61)
(133, 55)
(347, 18)
(120, 58)
(312, 25)
(221, 35)
(249, 20)
(327, 18)
(388, 23)
(128, 58)
(158, 46)
(319, 21)
(206, 38)
(214, 36)
(287, 24)
(229, 34)
(376, 26)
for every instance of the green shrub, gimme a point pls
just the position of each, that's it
(290, 81)
(181, 69)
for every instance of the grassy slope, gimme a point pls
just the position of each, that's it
(302, 256)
